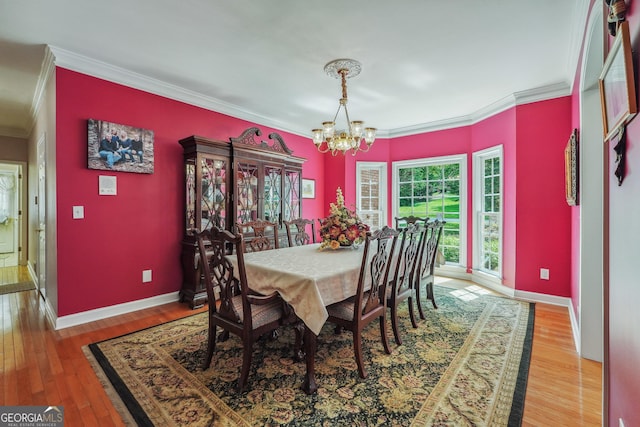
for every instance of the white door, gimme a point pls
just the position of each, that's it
(41, 202)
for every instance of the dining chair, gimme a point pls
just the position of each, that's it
(369, 302)
(401, 284)
(300, 236)
(241, 311)
(265, 235)
(406, 220)
(425, 273)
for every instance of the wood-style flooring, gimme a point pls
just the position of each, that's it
(41, 366)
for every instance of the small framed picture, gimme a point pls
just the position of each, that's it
(119, 148)
(571, 169)
(617, 84)
(308, 189)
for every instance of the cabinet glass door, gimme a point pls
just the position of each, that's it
(273, 194)
(291, 199)
(247, 192)
(214, 190)
(190, 208)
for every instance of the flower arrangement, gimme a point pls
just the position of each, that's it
(342, 227)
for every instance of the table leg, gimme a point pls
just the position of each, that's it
(310, 339)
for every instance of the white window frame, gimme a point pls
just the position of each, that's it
(433, 161)
(482, 274)
(382, 168)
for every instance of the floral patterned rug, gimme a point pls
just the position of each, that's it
(467, 364)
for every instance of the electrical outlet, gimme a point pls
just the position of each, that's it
(146, 276)
(78, 212)
(544, 273)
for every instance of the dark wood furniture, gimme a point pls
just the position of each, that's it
(267, 179)
(226, 182)
(263, 235)
(297, 231)
(401, 285)
(404, 221)
(427, 263)
(355, 313)
(241, 312)
(207, 168)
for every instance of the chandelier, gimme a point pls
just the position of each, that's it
(355, 136)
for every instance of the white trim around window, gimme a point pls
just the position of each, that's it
(480, 273)
(449, 269)
(375, 218)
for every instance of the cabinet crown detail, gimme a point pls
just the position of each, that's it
(248, 138)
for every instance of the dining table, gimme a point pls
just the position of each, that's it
(309, 279)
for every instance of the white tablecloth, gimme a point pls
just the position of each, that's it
(307, 278)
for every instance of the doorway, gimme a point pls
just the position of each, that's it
(11, 213)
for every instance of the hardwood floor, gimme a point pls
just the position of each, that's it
(41, 366)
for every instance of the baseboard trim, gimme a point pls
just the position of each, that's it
(114, 310)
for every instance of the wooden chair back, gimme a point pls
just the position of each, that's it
(297, 232)
(240, 311)
(404, 221)
(425, 271)
(259, 235)
(402, 279)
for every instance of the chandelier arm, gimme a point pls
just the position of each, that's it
(346, 112)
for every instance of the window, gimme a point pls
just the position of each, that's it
(371, 193)
(487, 183)
(435, 188)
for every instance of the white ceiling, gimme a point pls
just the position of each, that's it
(424, 62)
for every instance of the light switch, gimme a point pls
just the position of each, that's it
(544, 273)
(78, 212)
(146, 276)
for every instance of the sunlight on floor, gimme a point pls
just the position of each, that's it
(464, 290)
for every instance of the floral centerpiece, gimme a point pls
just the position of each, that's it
(342, 227)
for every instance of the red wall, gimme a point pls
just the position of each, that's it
(101, 257)
(543, 218)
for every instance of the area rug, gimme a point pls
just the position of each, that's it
(466, 364)
(17, 287)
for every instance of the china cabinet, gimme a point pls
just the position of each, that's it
(207, 178)
(229, 183)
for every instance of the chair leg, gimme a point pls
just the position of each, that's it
(357, 349)
(412, 315)
(211, 347)
(430, 294)
(224, 335)
(383, 334)
(247, 353)
(394, 323)
(418, 300)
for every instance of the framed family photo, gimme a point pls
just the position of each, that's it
(617, 84)
(308, 189)
(118, 147)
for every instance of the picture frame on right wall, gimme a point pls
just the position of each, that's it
(571, 169)
(617, 84)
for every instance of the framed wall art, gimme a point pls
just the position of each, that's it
(617, 84)
(571, 169)
(308, 189)
(117, 147)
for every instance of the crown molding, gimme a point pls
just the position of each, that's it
(75, 62)
(83, 64)
(519, 98)
(47, 69)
